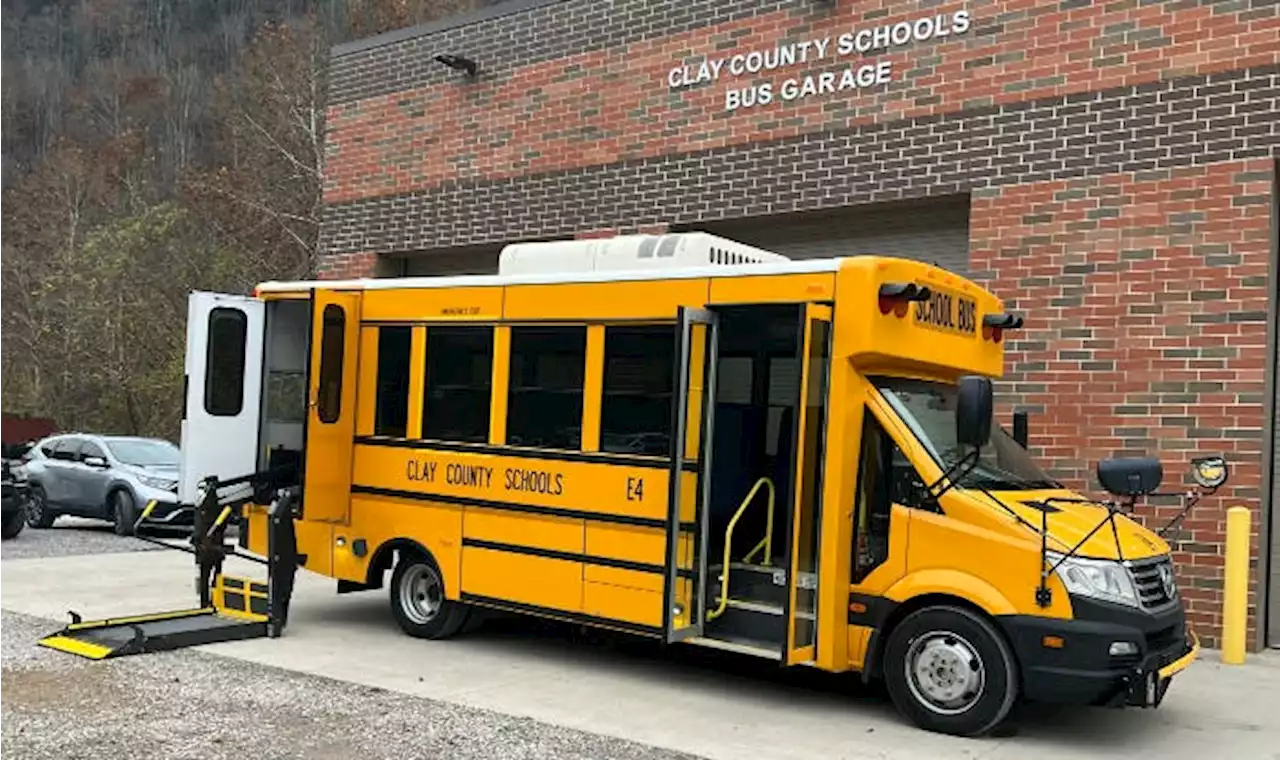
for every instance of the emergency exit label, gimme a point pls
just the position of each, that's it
(855, 48)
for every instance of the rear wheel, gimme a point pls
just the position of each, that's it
(39, 515)
(124, 512)
(418, 599)
(949, 670)
(13, 524)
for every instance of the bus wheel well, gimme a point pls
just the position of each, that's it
(387, 554)
(879, 637)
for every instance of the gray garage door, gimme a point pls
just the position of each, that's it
(1273, 586)
(934, 230)
(458, 261)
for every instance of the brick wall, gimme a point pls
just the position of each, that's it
(1117, 156)
(1146, 303)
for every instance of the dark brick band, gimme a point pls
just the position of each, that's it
(1163, 125)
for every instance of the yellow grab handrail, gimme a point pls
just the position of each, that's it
(728, 543)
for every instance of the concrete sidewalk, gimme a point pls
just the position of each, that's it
(715, 706)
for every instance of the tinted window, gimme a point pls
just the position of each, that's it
(639, 369)
(391, 407)
(91, 449)
(458, 383)
(224, 362)
(333, 333)
(544, 404)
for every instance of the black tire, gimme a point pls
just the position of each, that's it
(13, 524)
(949, 670)
(39, 514)
(418, 601)
(124, 513)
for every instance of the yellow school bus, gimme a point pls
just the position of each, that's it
(686, 438)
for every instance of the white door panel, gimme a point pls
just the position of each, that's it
(224, 389)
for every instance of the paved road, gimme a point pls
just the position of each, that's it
(710, 705)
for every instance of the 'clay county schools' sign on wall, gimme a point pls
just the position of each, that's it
(858, 42)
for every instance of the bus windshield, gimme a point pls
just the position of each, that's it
(928, 408)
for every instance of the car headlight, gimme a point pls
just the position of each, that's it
(1107, 580)
(164, 484)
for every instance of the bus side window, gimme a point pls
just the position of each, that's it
(873, 499)
(639, 368)
(391, 400)
(544, 400)
(458, 384)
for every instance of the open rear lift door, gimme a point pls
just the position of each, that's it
(231, 608)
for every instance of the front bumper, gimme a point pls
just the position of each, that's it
(170, 513)
(1082, 671)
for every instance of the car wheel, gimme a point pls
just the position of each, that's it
(13, 524)
(949, 670)
(418, 599)
(39, 514)
(124, 512)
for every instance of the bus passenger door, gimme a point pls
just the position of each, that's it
(684, 611)
(331, 406)
(222, 397)
(806, 511)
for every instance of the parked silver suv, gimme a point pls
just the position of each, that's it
(103, 476)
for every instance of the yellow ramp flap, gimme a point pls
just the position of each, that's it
(75, 646)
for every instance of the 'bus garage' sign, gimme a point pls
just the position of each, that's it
(854, 43)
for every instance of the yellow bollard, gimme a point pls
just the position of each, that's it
(1235, 586)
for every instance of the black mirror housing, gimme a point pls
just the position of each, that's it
(974, 406)
(1130, 476)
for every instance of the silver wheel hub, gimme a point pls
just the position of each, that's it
(945, 672)
(421, 594)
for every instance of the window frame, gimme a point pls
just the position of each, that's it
(380, 383)
(214, 366)
(324, 378)
(671, 335)
(481, 436)
(516, 329)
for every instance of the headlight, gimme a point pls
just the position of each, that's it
(164, 484)
(1107, 580)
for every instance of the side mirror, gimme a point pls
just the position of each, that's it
(95, 462)
(974, 405)
(1132, 477)
(1209, 472)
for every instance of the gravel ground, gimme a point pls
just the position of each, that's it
(192, 705)
(75, 535)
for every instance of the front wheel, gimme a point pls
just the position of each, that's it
(123, 513)
(949, 670)
(418, 599)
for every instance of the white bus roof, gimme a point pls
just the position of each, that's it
(550, 278)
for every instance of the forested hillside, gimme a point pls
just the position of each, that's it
(152, 148)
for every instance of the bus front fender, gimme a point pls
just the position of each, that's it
(955, 583)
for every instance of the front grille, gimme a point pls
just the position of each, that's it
(1149, 576)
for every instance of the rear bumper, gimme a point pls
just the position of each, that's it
(1084, 672)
